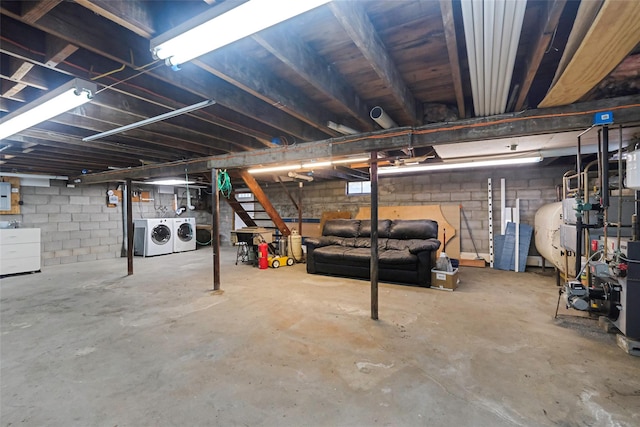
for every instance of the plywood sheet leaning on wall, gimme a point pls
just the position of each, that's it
(447, 217)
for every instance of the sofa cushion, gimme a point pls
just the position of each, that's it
(397, 258)
(328, 254)
(341, 228)
(383, 228)
(413, 229)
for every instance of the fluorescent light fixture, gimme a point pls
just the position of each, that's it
(310, 165)
(210, 31)
(351, 160)
(170, 181)
(450, 166)
(316, 165)
(64, 98)
(150, 120)
(275, 169)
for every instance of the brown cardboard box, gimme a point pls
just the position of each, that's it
(444, 280)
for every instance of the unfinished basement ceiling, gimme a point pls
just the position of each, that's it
(282, 85)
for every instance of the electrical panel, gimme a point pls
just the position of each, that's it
(5, 196)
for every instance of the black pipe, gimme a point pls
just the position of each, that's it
(605, 167)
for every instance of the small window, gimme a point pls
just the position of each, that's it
(358, 187)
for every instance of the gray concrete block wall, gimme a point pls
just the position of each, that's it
(535, 185)
(76, 224)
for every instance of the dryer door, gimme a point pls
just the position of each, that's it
(185, 232)
(160, 234)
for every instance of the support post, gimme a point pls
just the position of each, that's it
(300, 185)
(215, 228)
(129, 208)
(374, 235)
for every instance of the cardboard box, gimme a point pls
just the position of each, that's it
(444, 280)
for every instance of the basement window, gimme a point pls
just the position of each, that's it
(358, 188)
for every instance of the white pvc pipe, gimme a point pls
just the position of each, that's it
(382, 118)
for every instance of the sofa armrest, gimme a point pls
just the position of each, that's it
(312, 241)
(429, 245)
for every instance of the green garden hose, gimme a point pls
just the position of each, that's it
(224, 183)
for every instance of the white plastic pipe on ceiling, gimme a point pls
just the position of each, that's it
(492, 32)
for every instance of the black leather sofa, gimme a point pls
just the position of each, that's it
(406, 250)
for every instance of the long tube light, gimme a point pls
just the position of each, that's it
(150, 120)
(211, 31)
(64, 98)
(450, 166)
(297, 166)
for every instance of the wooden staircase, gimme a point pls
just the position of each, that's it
(270, 214)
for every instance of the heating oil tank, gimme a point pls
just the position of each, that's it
(547, 222)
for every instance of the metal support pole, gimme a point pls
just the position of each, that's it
(605, 167)
(129, 208)
(374, 235)
(300, 185)
(215, 228)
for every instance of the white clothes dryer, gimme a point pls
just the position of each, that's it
(184, 230)
(153, 236)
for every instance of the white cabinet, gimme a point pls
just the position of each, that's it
(19, 250)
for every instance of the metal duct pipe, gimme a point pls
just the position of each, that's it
(382, 118)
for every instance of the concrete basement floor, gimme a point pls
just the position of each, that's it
(85, 345)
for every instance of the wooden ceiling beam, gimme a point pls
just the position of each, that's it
(76, 119)
(446, 8)
(140, 109)
(53, 134)
(67, 23)
(358, 26)
(298, 56)
(236, 69)
(599, 53)
(134, 15)
(547, 27)
(36, 9)
(104, 150)
(533, 122)
(163, 129)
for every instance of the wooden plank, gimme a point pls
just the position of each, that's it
(446, 8)
(481, 263)
(358, 26)
(26, 73)
(57, 50)
(133, 15)
(36, 9)
(262, 198)
(548, 24)
(587, 12)
(599, 53)
(12, 90)
(314, 69)
(445, 215)
(19, 69)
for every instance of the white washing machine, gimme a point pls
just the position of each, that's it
(153, 236)
(184, 230)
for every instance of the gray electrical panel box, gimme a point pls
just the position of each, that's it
(5, 196)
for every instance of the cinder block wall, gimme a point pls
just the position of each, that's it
(534, 185)
(77, 225)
